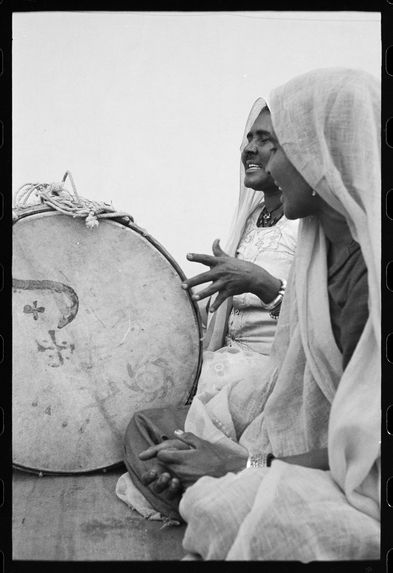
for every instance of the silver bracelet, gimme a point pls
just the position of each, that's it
(260, 461)
(276, 301)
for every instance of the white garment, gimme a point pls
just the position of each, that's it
(273, 248)
(251, 329)
(328, 123)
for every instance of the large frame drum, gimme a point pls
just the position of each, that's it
(101, 328)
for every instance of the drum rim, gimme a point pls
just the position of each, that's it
(52, 473)
(38, 210)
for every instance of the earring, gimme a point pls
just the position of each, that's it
(313, 193)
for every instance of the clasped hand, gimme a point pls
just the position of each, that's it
(188, 458)
(230, 276)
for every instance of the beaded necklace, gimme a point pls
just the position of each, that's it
(265, 218)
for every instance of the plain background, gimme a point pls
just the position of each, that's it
(147, 109)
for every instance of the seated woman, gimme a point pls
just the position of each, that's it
(247, 285)
(248, 275)
(297, 478)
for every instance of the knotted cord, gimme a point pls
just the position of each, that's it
(69, 203)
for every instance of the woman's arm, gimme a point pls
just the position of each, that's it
(231, 276)
(189, 458)
(317, 459)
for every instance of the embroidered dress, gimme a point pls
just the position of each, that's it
(250, 326)
(251, 329)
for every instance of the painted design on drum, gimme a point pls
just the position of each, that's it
(55, 351)
(152, 378)
(34, 310)
(69, 310)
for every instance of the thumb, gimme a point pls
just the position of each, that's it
(217, 250)
(188, 438)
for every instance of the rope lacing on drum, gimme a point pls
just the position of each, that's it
(60, 199)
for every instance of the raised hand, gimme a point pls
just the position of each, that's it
(230, 276)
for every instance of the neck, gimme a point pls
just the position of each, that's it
(334, 225)
(272, 200)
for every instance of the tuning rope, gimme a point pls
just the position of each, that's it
(69, 203)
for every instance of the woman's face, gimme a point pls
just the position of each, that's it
(253, 156)
(296, 193)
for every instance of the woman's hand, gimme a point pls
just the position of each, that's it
(196, 458)
(157, 477)
(230, 276)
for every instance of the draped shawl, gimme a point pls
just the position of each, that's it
(328, 123)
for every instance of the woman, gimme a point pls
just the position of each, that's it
(242, 323)
(319, 499)
(248, 275)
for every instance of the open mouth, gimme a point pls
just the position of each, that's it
(253, 167)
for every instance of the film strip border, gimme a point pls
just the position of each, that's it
(5, 292)
(387, 288)
(6, 9)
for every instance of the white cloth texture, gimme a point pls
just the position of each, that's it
(251, 329)
(127, 492)
(273, 248)
(328, 123)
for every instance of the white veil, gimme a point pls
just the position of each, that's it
(328, 122)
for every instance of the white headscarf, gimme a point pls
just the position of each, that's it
(328, 122)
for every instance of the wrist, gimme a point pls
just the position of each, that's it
(236, 463)
(266, 288)
(274, 303)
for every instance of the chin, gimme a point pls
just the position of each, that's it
(290, 213)
(255, 184)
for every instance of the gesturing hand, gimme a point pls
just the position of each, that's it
(230, 276)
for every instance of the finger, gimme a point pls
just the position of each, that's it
(222, 295)
(201, 258)
(149, 476)
(211, 289)
(188, 438)
(217, 250)
(153, 450)
(198, 279)
(162, 482)
(173, 456)
(174, 488)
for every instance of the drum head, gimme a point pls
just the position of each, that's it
(101, 328)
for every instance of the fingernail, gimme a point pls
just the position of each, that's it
(189, 256)
(178, 432)
(183, 285)
(195, 297)
(212, 310)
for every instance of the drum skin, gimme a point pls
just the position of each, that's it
(101, 329)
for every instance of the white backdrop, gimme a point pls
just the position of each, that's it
(147, 109)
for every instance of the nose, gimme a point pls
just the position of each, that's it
(250, 147)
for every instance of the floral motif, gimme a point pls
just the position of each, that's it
(152, 378)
